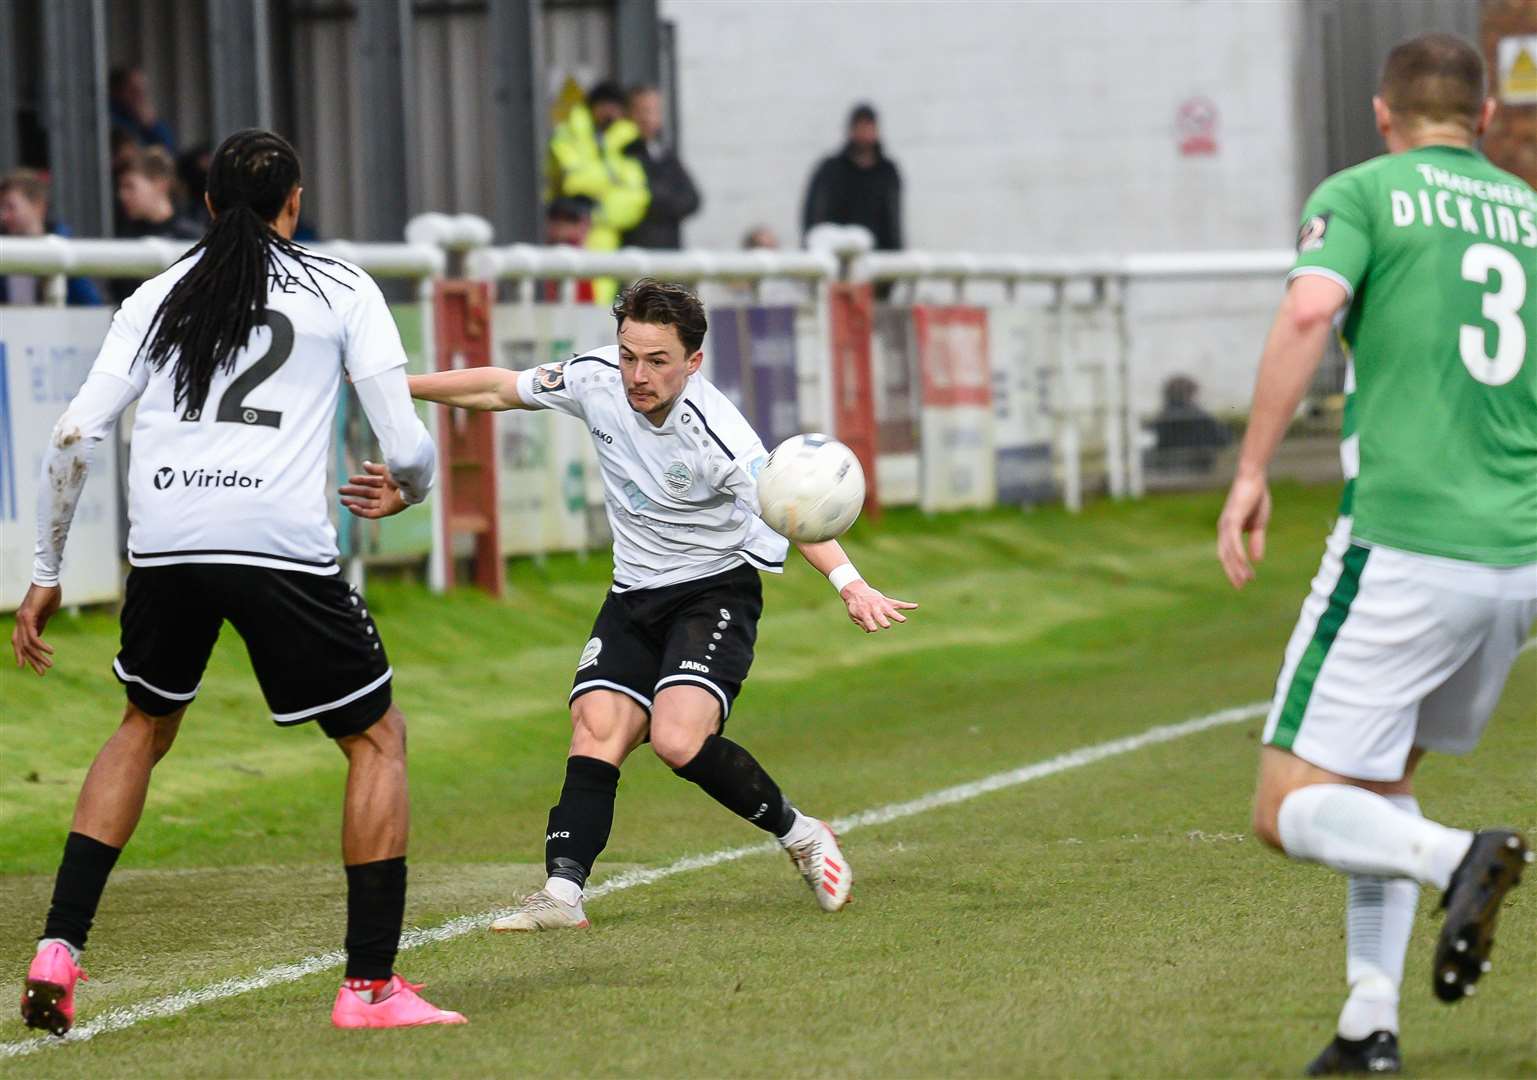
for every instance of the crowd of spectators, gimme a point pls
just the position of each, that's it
(155, 191)
(614, 179)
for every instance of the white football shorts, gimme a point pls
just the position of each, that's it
(1395, 650)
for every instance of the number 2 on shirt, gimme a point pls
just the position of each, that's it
(1502, 307)
(232, 407)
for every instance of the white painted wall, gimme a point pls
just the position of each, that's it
(1021, 127)
(1018, 126)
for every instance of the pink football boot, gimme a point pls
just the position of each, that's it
(403, 1008)
(48, 999)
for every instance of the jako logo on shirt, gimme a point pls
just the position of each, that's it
(605, 436)
(678, 478)
(694, 665)
(165, 477)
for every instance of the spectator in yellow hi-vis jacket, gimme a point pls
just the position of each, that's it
(587, 158)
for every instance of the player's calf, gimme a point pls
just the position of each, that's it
(735, 779)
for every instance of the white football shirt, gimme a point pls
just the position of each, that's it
(243, 479)
(682, 498)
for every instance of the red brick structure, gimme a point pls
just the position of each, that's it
(1512, 139)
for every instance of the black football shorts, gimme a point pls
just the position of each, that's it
(315, 650)
(698, 633)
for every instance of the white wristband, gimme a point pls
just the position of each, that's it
(841, 576)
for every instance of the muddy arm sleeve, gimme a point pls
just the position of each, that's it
(85, 423)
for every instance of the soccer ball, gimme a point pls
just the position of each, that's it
(811, 489)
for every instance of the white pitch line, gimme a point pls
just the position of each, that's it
(125, 1016)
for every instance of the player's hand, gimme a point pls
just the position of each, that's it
(39, 605)
(871, 611)
(1247, 511)
(373, 494)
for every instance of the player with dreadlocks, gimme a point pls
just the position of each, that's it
(235, 356)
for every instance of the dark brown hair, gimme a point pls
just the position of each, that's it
(662, 303)
(32, 184)
(152, 163)
(1435, 77)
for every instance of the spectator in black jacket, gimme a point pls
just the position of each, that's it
(859, 185)
(673, 194)
(146, 191)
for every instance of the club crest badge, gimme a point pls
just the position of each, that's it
(678, 478)
(550, 378)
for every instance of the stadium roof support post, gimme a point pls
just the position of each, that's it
(637, 43)
(10, 150)
(75, 77)
(519, 112)
(240, 72)
(387, 78)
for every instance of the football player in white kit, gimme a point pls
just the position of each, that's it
(235, 356)
(673, 641)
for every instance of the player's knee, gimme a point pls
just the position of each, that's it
(384, 739)
(601, 726)
(1265, 825)
(675, 743)
(156, 733)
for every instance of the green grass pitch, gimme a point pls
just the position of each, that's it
(1111, 920)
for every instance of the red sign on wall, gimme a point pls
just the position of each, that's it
(1195, 123)
(952, 355)
(851, 308)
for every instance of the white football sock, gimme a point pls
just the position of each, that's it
(1356, 831)
(1379, 916)
(800, 832)
(43, 943)
(371, 991)
(564, 889)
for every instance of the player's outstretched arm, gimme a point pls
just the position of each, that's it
(1292, 353)
(868, 608)
(485, 389)
(66, 462)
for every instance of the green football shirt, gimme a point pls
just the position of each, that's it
(1438, 249)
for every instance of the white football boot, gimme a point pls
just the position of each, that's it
(820, 861)
(543, 911)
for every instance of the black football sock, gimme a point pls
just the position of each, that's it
(732, 777)
(579, 824)
(376, 908)
(77, 889)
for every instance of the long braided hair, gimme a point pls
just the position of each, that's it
(209, 314)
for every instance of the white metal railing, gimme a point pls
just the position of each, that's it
(58, 258)
(1093, 283)
(565, 263)
(1110, 279)
(812, 271)
(452, 232)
